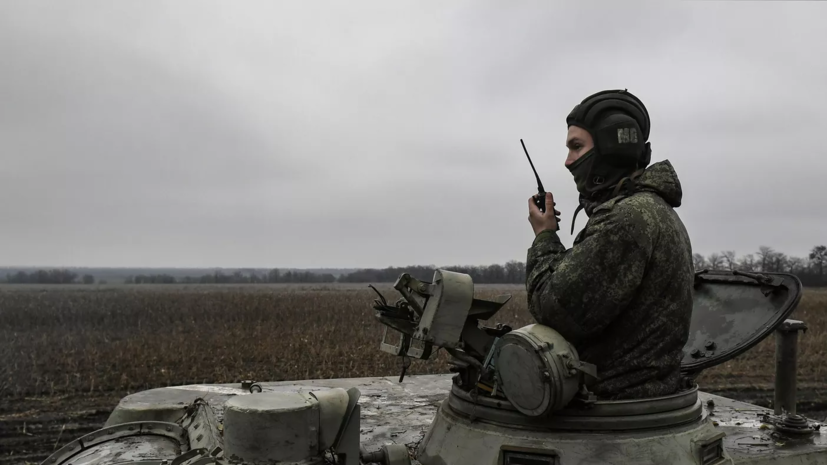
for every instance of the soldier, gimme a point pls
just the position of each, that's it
(622, 294)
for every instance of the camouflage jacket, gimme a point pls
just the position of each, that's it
(622, 295)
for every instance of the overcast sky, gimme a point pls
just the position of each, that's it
(376, 133)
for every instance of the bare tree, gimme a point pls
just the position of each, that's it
(747, 263)
(729, 259)
(698, 261)
(716, 261)
(778, 262)
(818, 256)
(765, 257)
(796, 265)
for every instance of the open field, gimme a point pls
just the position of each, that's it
(69, 352)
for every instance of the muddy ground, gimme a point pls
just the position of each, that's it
(30, 429)
(33, 428)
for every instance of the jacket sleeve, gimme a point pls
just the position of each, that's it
(580, 291)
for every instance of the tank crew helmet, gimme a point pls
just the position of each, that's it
(619, 126)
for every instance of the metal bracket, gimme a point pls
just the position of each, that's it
(589, 371)
(399, 349)
(423, 352)
(490, 358)
(773, 281)
(407, 285)
(710, 451)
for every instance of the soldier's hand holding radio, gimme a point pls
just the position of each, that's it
(542, 220)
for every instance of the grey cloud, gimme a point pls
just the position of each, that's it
(385, 133)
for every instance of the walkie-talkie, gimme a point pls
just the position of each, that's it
(540, 199)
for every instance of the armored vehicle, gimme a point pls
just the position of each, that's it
(515, 397)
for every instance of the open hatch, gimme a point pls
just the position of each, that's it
(733, 311)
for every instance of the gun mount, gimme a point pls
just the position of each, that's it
(442, 314)
(445, 314)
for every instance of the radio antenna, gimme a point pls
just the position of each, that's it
(539, 183)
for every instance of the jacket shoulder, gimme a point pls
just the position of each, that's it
(629, 207)
(632, 216)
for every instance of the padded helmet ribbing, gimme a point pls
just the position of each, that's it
(593, 107)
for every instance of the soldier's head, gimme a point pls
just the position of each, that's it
(607, 140)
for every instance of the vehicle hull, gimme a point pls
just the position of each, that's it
(413, 413)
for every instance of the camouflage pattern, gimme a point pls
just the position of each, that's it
(623, 293)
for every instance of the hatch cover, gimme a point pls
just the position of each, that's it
(733, 311)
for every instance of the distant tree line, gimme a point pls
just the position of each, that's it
(55, 276)
(810, 269)
(511, 272)
(272, 277)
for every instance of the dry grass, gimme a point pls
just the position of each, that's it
(59, 341)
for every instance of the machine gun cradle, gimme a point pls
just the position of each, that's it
(442, 314)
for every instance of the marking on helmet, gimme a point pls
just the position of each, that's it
(626, 135)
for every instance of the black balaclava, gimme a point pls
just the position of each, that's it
(619, 125)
